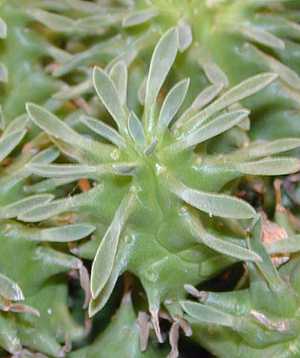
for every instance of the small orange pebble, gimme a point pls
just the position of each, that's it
(84, 185)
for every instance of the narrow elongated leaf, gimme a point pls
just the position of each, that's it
(19, 207)
(52, 125)
(103, 130)
(202, 100)
(67, 233)
(245, 89)
(272, 166)
(119, 75)
(162, 59)
(229, 249)
(46, 156)
(62, 170)
(265, 149)
(49, 184)
(119, 266)
(185, 36)
(3, 29)
(223, 246)
(3, 73)
(215, 127)
(21, 122)
(47, 210)
(262, 37)
(139, 17)
(136, 129)
(53, 21)
(215, 75)
(285, 73)
(10, 290)
(2, 119)
(9, 142)
(206, 314)
(107, 250)
(285, 246)
(171, 104)
(109, 96)
(80, 170)
(214, 204)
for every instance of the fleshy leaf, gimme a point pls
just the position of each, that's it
(106, 253)
(214, 204)
(104, 130)
(243, 90)
(272, 166)
(20, 207)
(9, 142)
(67, 233)
(3, 29)
(109, 96)
(10, 290)
(139, 17)
(171, 105)
(206, 314)
(136, 129)
(119, 75)
(161, 63)
(216, 126)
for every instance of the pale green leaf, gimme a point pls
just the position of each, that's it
(262, 37)
(108, 94)
(185, 36)
(136, 129)
(103, 130)
(161, 62)
(172, 104)
(213, 128)
(206, 314)
(139, 17)
(10, 290)
(52, 125)
(202, 100)
(106, 253)
(53, 21)
(3, 29)
(214, 204)
(9, 142)
(270, 166)
(67, 233)
(119, 75)
(243, 90)
(22, 206)
(229, 249)
(3, 73)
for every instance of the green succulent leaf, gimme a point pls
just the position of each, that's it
(109, 96)
(214, 204)
(172, 104)
(10, 289)
(162, 60)
(9, 142)
(107, 250)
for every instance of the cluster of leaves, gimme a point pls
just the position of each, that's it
(168, 190)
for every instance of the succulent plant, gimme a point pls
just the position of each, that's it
(154, 195)
(170, 188)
